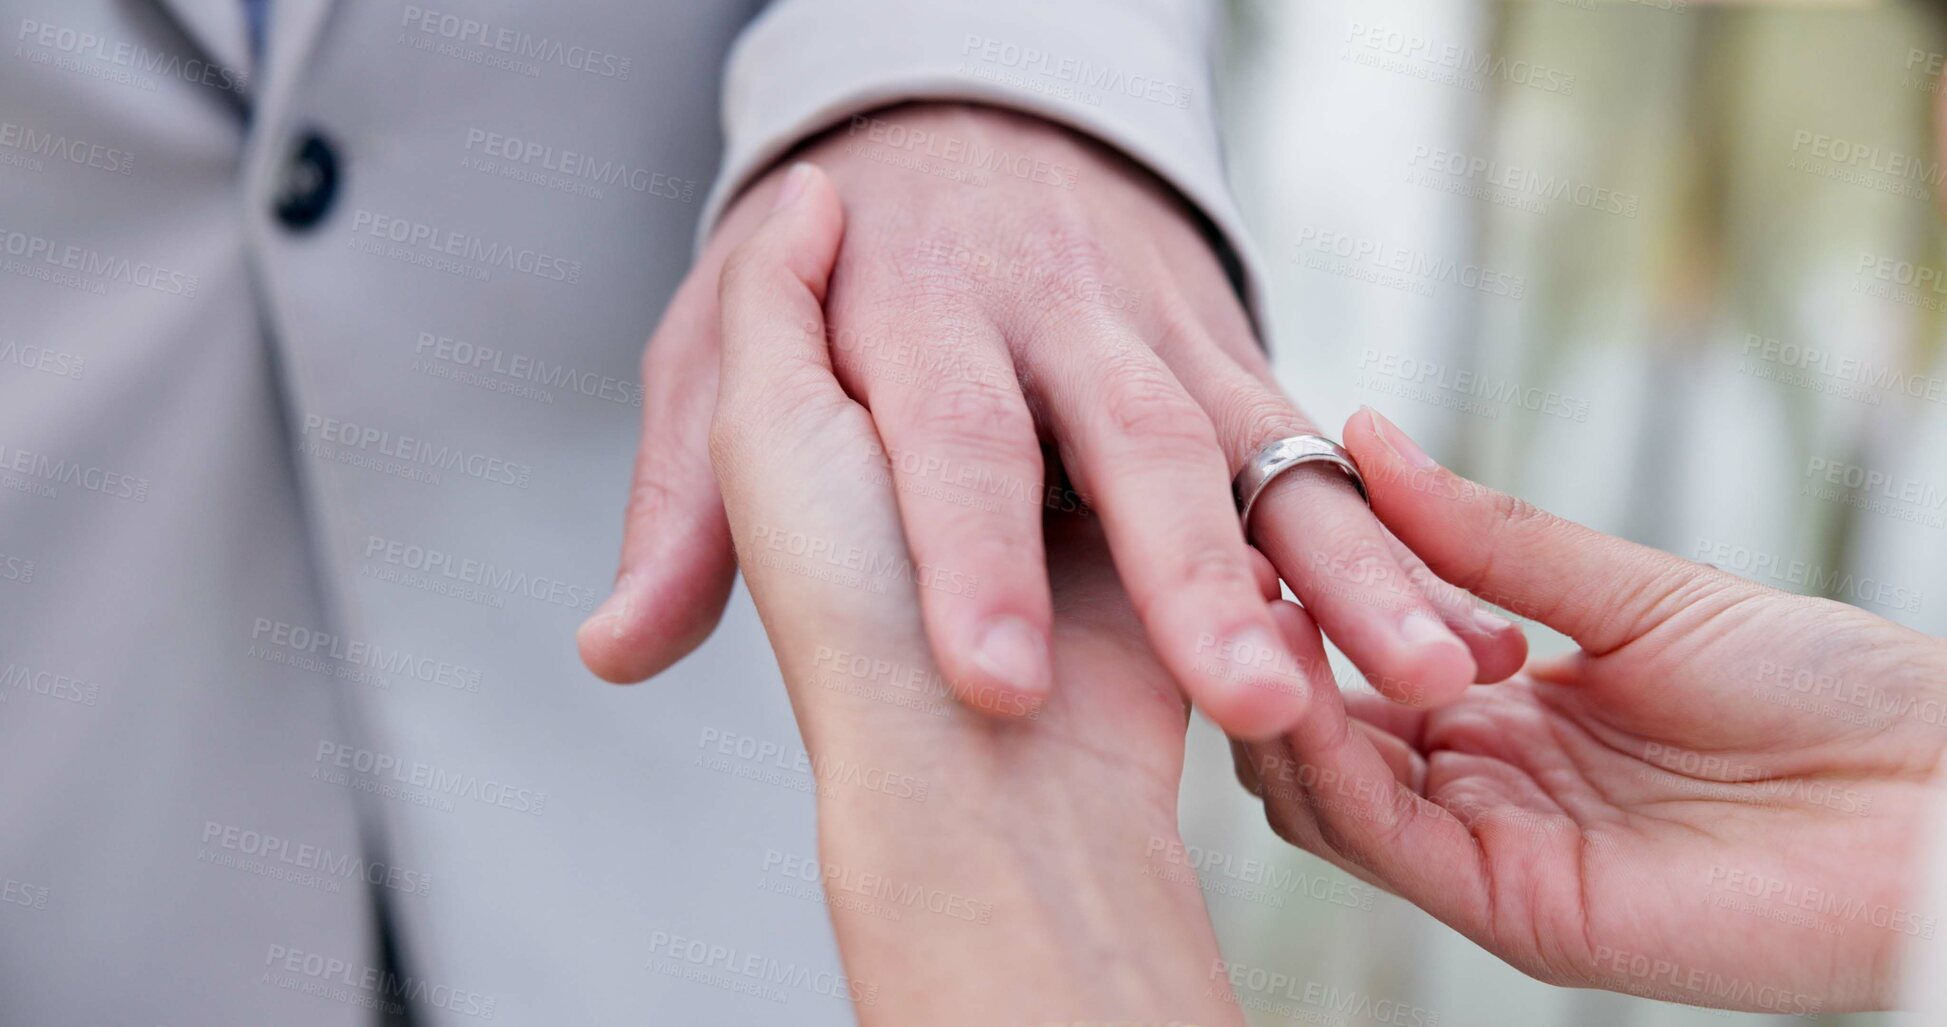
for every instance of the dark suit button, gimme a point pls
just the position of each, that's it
(310, 183)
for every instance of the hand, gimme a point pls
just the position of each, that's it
(1079, 304)
(1716, 801)
(1032, 834)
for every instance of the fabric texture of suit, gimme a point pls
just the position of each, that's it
(296, 525)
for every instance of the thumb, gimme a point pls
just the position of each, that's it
(773, 295)
(1602, 591)
(677, 566)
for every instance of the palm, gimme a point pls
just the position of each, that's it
(1657, 820)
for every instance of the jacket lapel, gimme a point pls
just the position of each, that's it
(217, 27)
(292, 31)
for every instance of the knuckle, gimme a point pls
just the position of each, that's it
(1200, 576)
(1513, 520)
(1357, 557)
(1215, 566)
(946, 265)
(1651, 591)
(1065, 268)
(658, 503)
(917, 337)
(1511, 525)
(1176, 326)
(1358, 567)
(651, 498)
(1514, 512)
(1359, 836)
(1254, 416)
(982, 421)
(987, 547)
(1068, 247)
(1146, 407)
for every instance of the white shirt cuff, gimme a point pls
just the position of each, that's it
(1134, 74)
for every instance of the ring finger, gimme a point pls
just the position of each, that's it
(1147, 460)
(1415, 642)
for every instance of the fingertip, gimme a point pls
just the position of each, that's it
(1256, 709)
(1010, 670)
(792, 186)
(998, 702)
(1296, 625)
(606, 640)
(1361, 439)
(1395, 468)
(771, 294)
(807, 198)
(1500, 648)
(1434, 676)
(645, 626)
(1380, 436)
(1267, 684)
(800, 236)
(596, 637)
(1432, 667)
(605, 659)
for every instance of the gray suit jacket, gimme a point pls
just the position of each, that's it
(296, 524)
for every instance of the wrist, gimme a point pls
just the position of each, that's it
(1041, 918)
(1024, 858)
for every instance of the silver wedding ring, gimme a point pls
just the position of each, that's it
(1276, 457)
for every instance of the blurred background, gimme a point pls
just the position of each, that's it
(1669, 269)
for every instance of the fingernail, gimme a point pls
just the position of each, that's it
(1422, 628)
(1014, 653)
(614, 610)
(1396, 440)
(793, 185)
(1489, 623)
